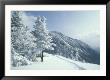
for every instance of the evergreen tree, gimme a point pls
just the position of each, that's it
(44, 40)
(16, 24)
(22, 41)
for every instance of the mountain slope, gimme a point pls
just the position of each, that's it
(73, 49)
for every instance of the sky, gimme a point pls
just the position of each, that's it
(83, 25)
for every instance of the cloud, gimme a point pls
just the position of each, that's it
(92, 39)
(28, 20)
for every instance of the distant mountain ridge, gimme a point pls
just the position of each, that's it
(73, 48)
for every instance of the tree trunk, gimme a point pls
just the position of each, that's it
(42, 56)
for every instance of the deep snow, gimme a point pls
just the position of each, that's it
(56, 62)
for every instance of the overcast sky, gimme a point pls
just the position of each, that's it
(76, 24)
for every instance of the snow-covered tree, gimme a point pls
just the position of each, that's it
(22, 41)
(29, 44)
(16, 24)
(44, 40)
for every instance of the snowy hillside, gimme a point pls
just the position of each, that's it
(62, 52)
(56, 62)
(73, 49)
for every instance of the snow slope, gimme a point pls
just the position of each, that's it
(86, 66)
(56, 62)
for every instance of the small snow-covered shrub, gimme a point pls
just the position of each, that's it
(19, 60)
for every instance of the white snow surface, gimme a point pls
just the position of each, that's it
(56, 62)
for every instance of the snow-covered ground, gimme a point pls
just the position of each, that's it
(56, 62)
